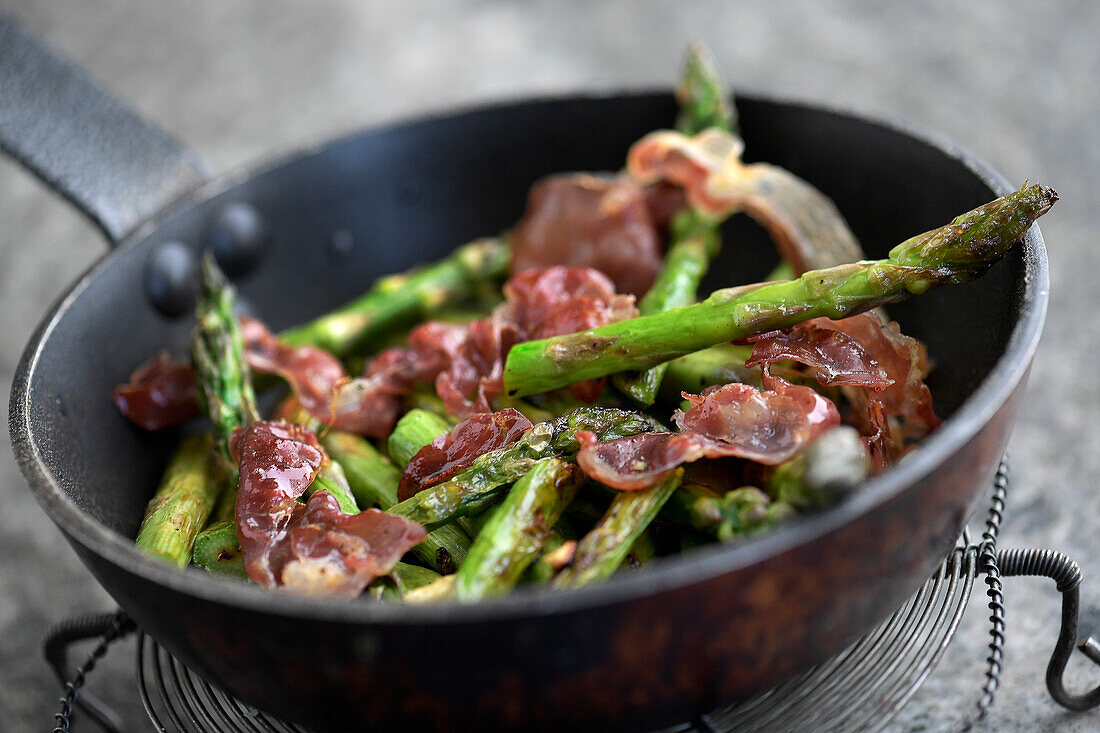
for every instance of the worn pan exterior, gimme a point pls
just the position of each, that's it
(642, 650)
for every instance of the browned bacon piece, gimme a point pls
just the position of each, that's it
(602, 222)
(160, 394)
(805, 225)
(540, 303)
(451, 452)
(313, 548)
(861, 351)
(767, 426)
(836, 357)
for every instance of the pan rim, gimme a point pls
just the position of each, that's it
(667, 574)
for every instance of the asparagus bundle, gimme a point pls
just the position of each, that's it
(953, 254)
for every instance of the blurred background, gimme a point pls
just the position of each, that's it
(1013, 81)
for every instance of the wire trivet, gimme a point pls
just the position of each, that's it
(860, 689)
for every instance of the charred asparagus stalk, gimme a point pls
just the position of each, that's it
(956, 253)
(602, 550)
(373, 480)
(216, 550)
(402, 300)
(517, 530)
(471, 491)
(223, 381)
(182, 503)
(694, 240)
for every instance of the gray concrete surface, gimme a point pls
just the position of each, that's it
(1014, 81)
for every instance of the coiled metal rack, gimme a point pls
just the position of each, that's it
(860, 689)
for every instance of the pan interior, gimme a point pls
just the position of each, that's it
(409, 194)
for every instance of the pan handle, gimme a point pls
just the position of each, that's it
(108, 161)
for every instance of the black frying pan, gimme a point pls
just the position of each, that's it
(643, 649)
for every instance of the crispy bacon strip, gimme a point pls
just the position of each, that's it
(880, 446)
(311, 372)
(602, 222)
(836, 357)
(805, 225)
(734, 420)
(861, 351)
(312, 548)
(367, 405)
(160, 394)
(451, 452)
(539, 304)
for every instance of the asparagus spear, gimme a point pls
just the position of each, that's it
(401, 300)
(223, 381)
(373, 481)
(475, 488)
(694, 239)
(602, 551)
(222, 378)
(695, 372)
(413, 431)
(182, 503)
(410, 577)
(703, 102)
(956, 253)
(518, 529)
(216, 550)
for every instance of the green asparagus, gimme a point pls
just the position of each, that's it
(331, 478)
(182, 503)
(222, 378)
(602, 551)
(695, 241)
(223, 381)
(401, 300)
(956, 253)
(703, 101)
(518, 529)
(216, 550)
(472, 490)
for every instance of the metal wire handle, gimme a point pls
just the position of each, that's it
(108, 627)
(1067, 574)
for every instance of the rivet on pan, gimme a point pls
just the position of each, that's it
(171, 278)
(238, 236)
